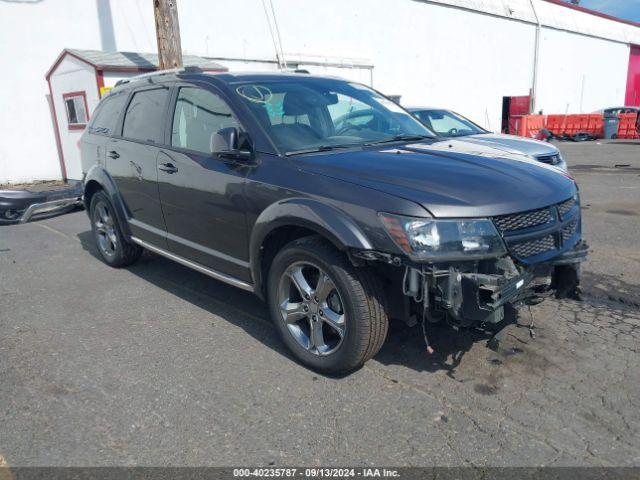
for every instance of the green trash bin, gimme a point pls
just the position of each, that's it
(611, 122)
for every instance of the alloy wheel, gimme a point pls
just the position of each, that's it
(105, 229)
(311, 307)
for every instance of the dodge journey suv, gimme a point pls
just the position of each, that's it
(252, 180)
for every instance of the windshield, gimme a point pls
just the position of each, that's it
(446, 123)
(323, 114)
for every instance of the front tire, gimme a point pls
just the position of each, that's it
(330, 314)
(114, 248)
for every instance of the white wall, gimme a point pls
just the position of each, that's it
(580, 74)
(32, 35)
(72, 75)
(431, 55)
(427, 53)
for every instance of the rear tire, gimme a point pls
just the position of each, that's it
(342, 323)
(113, 247)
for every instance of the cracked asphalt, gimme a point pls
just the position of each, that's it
(159, 365)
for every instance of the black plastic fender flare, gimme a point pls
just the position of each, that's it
(98, 174)
(326, 220)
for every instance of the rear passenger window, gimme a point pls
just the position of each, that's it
(104, 121)
(144, 118)
(198, 114)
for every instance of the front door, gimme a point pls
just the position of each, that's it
(132, 162)
(203, 197)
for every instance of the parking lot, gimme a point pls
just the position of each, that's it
(159, 365)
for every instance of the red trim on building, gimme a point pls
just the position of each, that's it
(100, 82)
(100, 69)
(592, 12)
(63, 54)
(63, 168)
(83, 94)
(111, 68)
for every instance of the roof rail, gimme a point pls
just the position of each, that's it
(157, 73)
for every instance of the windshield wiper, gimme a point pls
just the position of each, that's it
(323, 148)
(404, 137)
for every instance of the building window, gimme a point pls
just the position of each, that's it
(76, 107)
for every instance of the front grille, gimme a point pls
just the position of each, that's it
(566, 206)
(518, 221)
(569, 230)
(549, 159)
(534, 247)
(536, 232)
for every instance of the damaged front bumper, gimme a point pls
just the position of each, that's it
(543, 251)
(21, 206)
(482, 296)
(474, 293)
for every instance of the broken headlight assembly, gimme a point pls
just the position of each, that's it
(435, 240)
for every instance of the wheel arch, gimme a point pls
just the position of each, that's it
(295, 218)
(98, 179)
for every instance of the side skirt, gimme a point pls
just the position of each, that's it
(195, 266)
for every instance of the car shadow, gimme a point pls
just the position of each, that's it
(231, 304)
(404, 345)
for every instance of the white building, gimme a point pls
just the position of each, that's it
(467, 55)
(77, 80)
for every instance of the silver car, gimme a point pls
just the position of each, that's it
(447, 124)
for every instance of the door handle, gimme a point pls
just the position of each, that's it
(168, 167)
(113, 154)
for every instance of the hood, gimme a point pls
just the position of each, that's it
(512, 143)
(449, 178)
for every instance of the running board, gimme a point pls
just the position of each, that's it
(195, 266)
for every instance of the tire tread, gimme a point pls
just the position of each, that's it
(127, 252)
(369, 300)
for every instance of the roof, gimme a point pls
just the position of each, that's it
(130, 61)
(282, 76)
(555, 14)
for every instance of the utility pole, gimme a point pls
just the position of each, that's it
(167, 34)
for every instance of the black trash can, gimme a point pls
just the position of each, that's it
(611, 121)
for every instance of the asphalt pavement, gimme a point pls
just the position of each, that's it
(159, 365)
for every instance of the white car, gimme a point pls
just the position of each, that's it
(448, 124)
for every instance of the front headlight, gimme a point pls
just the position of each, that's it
(436, 240)
(561, 163)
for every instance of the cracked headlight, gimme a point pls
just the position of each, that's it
(438, 240)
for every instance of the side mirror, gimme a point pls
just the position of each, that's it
(226, 143)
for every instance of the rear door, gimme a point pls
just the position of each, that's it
(203, 197)
(102, 126)
(132, 162)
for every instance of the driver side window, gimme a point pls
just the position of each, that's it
(198, 114)
(349, 112)
(445, 123)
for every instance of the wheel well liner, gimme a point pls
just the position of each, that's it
(90, 188)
